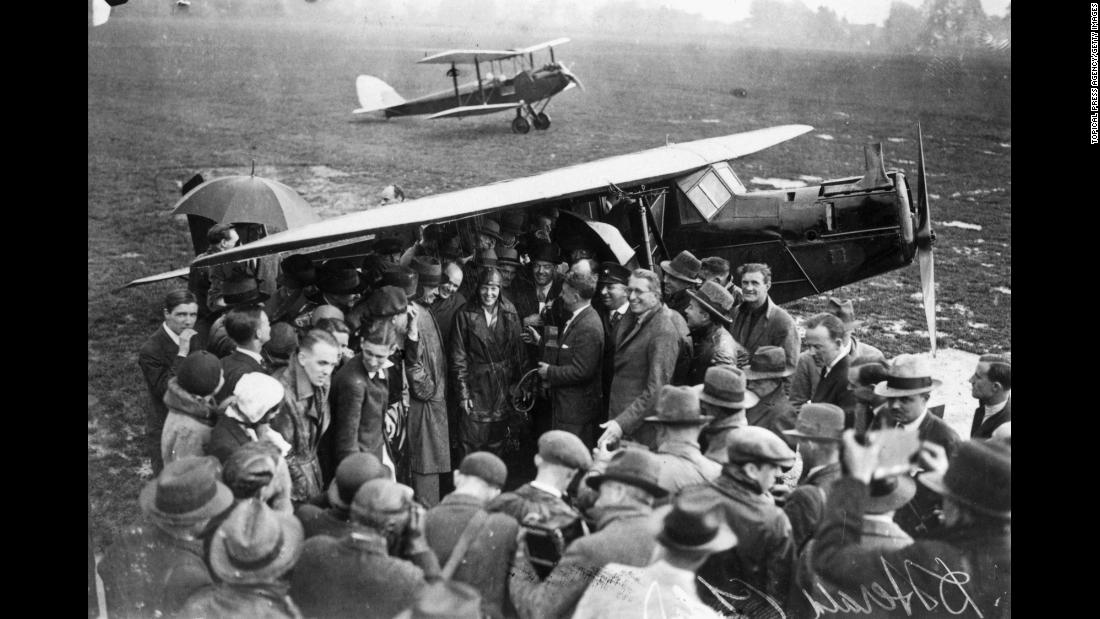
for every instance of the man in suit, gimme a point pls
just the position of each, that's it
(757, 321)
(488, 557)
(627, 490)
(991, 385)
(807, 373)
(574, 375)
(907, 388)
(651, 341)
(159, 358)
(249, 329)
(825, 337)
(612, 280)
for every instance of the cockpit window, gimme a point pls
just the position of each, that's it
(711, 189)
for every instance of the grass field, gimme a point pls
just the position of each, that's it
(171, 97)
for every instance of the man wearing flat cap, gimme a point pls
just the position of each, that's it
(724, 397)
(976, 539)
(991, 385)
(678, 421)
(153, 567)
(491, 544)
(335, 520)
(707, 315)
(807, 373)
(766, 377)
(677, 277)
(544, 500)
(818, 434)
(757, 320)
(627, 489)
(765, 551)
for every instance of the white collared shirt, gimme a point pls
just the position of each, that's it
(545, 488)
(574, 316)
(621, 310)
(913, 425)
(996, 408)
(380, 372)
(843, 352)
(254, 355)
(172, 334)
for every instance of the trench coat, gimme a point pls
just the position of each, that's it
(487, 362)
(426, 372)
(302, 419)
(646, 356)
(575, 376)
(189, 424)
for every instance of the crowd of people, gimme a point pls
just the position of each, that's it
(486, 423)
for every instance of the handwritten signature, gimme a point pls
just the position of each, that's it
(951, 595)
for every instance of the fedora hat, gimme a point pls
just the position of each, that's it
(685, 266)
(491, 228)
(819, 422)
(284, 339)
(445, 599)
(508, 255)
(186, 492)
(429, 272)
(387, 301)
(613, 273)
(542, 251)
(255, 544)
(678, 406)
(250, 468)
(714, 299)
(908, 375)
(724, 385)
(695, 522)
(768, 362)
(242, 290)
(402, 277)
(979, 476)
(636, 467)
(353, 471)
(844, 311)
(338, 276)
(487, 257)
(890, 493)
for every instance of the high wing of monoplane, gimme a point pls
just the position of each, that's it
(521, 89)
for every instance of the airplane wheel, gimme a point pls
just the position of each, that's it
(520, 125)
(542, 121)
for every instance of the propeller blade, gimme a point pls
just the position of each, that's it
(924, 239)
(928, 290)
(571, 77)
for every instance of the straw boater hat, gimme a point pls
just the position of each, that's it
(255, 544)
(819, 422)
(768, 362)
(908, 375)
(979, 476)
(724, 386)
(685, 267)
(890, 493)
(678, 406)
(715, 299)
(186, 492)
(844, 311)
(695, 523)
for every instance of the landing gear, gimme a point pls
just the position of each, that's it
(542, 121)
(520, 124)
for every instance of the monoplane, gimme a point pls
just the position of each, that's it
(645, 207)
(490, 93)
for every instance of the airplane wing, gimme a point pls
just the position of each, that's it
(623, 170)
(474, 110)
(159, 277)
(469, 56)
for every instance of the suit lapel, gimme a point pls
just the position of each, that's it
(633, 327)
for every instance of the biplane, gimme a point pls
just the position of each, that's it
(644, 207)
(490, 93)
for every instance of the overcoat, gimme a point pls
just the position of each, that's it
(359, 402)
(488, 559)
(775, 328)
(426, 372)
(715, 346)
(302, 419)
(682, 465)
(189, 424)
(575, 378)
(625, 536)
(774, 412)
(486, 362)
(646, 356)
(148, 573)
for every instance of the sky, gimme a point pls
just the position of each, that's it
(856, 11)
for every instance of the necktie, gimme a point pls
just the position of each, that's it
(615, 316)
(824, 372)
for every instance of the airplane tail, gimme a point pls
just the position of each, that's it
(374, 94)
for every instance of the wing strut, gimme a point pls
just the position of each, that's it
(477, 69)
(454, 77)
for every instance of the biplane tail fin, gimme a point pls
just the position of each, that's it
(374, 94)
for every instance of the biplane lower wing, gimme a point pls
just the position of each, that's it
(474, 110)
(586, 178)
(159, 277)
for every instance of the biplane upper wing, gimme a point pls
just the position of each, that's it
(475, 110)
(623, 170)
(469, 56)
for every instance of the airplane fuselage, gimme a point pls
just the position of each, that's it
(528, 86)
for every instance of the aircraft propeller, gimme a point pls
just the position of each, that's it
(569, 75)
(925, 238)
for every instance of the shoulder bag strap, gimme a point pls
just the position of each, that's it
(468, 534)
